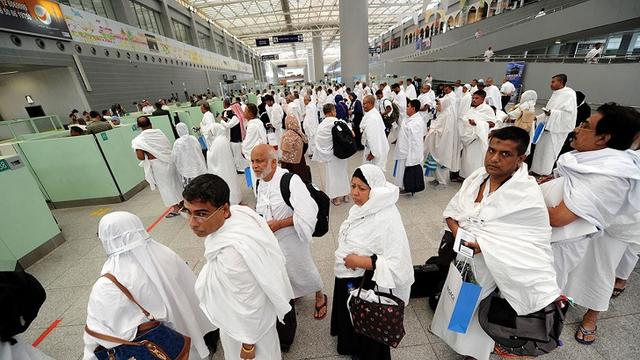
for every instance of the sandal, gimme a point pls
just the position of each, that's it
(316, 315)
(585, 333)
(505, 354)
(617, 292)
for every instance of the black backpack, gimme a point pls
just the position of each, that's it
(344, 144)
(321, 199)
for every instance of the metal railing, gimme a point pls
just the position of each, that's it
(497, 29)
(569, 59)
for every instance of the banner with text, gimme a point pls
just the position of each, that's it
(34, 17)
(95, 30)
(515, 75)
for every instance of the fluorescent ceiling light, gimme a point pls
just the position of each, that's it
(9, 72)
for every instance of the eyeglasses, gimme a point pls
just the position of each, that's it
(585, 126)
(198, 218)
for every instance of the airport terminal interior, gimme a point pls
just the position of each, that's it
(464, 179)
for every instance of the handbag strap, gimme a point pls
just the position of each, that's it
(127, 293)
(364, 278)
(109, 338)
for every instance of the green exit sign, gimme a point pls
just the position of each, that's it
(104, 137)
(4, 165)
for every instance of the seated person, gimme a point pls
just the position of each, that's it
(97, 124)
(75, 130)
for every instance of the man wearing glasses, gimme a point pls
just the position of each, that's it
(602, 188)
(243, 288)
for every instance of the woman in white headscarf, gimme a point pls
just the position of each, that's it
(220, 161)
(157, 278)
(523, 114)
(187, 155)
(373, 244)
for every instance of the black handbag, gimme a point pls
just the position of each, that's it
(533, 334)
(383, 323)
(153, 341)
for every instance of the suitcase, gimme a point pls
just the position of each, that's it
(287, 331)
(413, 179)
(426, 278)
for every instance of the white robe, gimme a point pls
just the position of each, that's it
(400, 99)
(161, 171)
(244, 288)
(514, 234)
(311, 125)
(442, 141)
(295, 241)
(255, 135)
(410, 145)
(21, 350)
(336, 176)
(493, 96)
(207, 120)
(187, 154)
(374, 139)
(475, 139)
(220, 162)
(613, 208)
(428, 98)
(410, 91)
(557, 126)
(156, 276)
(376, 228)
(386, 92)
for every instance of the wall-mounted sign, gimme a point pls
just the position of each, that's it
(262, 42)
(270, 57)
(290, 38)
(34, 17)
(282, 65)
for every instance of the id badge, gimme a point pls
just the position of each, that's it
(458, 245)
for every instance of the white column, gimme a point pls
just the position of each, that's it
(318, 62)
(354, 44)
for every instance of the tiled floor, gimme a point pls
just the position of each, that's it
(69, 271)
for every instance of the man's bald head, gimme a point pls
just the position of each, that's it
(368, 103)
(264, 161)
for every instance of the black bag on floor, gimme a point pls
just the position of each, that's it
(426, 277)
(413, 179)
(534, 334)
(287, 331)
(445, 256)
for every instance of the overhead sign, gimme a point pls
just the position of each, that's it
(270, 57)
(34, 17)
(291, 38)
(282, 65)
(262, 42)
(375, 50)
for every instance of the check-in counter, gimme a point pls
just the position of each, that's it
(29, 231)
(89, 169)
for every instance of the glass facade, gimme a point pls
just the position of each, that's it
(99, 7)
(182, 32)
(204, 41)
(148, 19)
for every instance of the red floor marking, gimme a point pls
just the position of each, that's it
(46, 333)
(159, 219)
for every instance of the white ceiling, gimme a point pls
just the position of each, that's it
(251, 19)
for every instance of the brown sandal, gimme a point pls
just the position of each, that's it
(316, 315)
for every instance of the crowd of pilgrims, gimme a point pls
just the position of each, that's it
(547, 215)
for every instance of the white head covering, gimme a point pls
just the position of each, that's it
(383, 194)
(468, 86)
(187, 154)
(220, 161)
(156, 277)
(528, 100)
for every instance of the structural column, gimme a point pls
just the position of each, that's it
(194, 31)
(212, 36)
(166, 20)
(123, 12)
(311, 71)
(318, 62)
(354, 44)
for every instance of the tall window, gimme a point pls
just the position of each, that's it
(147, 18)
(182, 31)
(99, 7)
(205, 41)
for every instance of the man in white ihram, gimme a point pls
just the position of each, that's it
(427, 100)
(243, 288)
(410, 146)
(153, 149)
(494, 98)
(310, 123)
(292, 226)
(559, 118)
(410, 90)
(376, 147)
(474, 133)
(442, 141)
(256, 134)
(499, 212)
